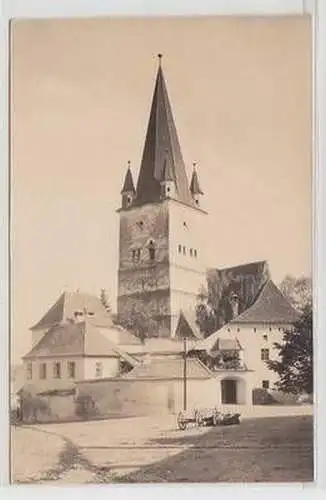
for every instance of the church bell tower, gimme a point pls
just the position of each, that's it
(162, 266)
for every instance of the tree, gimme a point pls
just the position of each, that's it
(138, 320)
(104, 297)
(295, 366)
(298, 291)
(205, 314)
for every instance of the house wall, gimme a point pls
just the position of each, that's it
(85, 368)
(110, 367)
(36, 384)
(251, 338)
(200, 394)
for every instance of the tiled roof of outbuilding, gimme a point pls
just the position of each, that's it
(170, 369)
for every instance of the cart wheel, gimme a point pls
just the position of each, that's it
(181, 422)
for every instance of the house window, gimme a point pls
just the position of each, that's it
(265, 384)
(179, 248)
(184, 250)
(29, 370)
(71, 369)
(255, 329)
(56, 370)
(195, 253)
(270, 329)
(265, 337)
(264, 354)
(238, 330)
(43, 371)
(99, 370)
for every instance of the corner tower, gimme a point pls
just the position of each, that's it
(162, 265)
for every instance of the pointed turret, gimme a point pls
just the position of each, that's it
(128, 191)
(161, 149)
(168, 189)
(195, 190)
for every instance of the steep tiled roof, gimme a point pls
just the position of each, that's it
(270, 307)
(78, 339)
(161, 145)
(71, 302)
(170, 368)
(187, 326)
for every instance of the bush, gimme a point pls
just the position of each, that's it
(85, 407)
(263, 397)
(32, 406)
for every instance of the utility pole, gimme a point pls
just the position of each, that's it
(184, 373)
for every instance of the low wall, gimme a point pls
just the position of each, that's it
(126, 398)
(121, 398)
(50, 408)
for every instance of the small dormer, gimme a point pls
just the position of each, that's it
(168, 181)
(128, 191)
(195, 190)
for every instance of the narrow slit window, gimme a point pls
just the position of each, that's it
(71, 369)
(43, 371)
(179, 248)
(56, 370)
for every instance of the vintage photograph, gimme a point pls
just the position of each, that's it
(161, 250)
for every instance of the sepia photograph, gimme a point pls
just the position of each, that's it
(161, 250)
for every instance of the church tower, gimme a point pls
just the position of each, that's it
(162, 266)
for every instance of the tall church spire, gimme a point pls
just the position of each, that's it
(161, 148)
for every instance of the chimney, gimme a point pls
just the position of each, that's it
(234, 302)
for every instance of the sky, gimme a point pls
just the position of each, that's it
(240, 90)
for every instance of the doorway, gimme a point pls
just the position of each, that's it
(229, 391)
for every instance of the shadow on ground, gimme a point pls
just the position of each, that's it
(258, 450)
